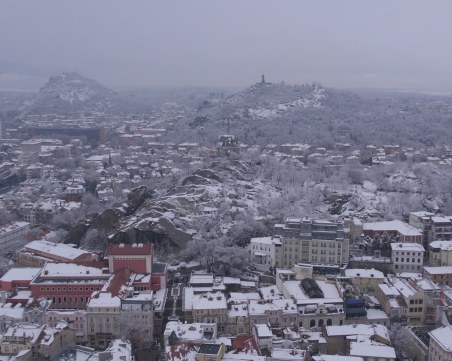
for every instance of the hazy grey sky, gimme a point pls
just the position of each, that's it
(384, 43)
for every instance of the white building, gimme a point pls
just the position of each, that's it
(264, 252)
(407, 257)
(13, 232)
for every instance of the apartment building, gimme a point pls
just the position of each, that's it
(396, 228)
(304, 240)
(137, 318)
(103, 319)
(407, 257)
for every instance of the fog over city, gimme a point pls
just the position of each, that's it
(386, 44)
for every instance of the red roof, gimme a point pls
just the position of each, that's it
(130, 249)
(246, 344)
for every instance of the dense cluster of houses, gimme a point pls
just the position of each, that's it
(60, 296)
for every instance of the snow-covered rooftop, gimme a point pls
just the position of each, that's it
(330, 292)
(368, 349)
(21, 274)
(438, 270)
(70, 270)
(358, 329)
(57, 249)
(443, 336)
(442, 245)
(262, 330)
(190, 331)
(407, 246)
(395, 225)
(104, 299)
(360, 272)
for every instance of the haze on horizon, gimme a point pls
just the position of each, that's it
(352, 43)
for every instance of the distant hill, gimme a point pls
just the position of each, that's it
(70, 93)
(280, 113)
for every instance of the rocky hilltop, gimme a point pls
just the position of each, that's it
(227, 191)
(70, 93)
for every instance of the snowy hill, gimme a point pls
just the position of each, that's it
(279, 113)
(70, 93)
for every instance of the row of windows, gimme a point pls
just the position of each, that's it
(57, 300)
(407, 267)
(399, 253)
(415, 309)
(417, 302)
(69, 289)
(413, 260)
